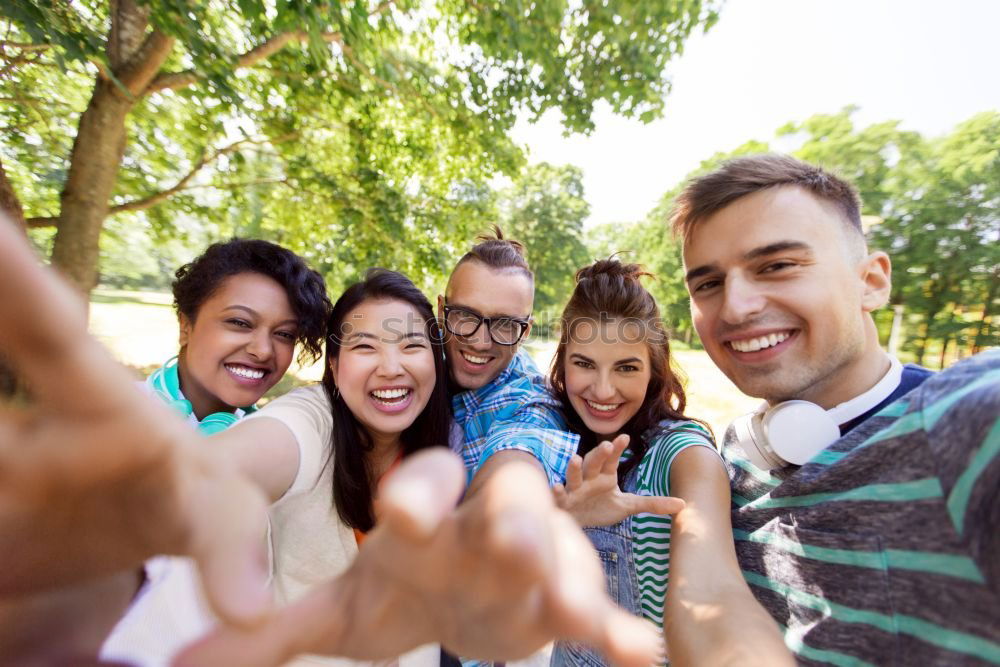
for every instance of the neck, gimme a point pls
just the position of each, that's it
(202, 402)
(385, 449)
(854, 379)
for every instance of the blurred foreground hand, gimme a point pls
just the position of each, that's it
(496, 579)
(94, 476)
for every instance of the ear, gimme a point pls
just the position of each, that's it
(876, 275)
(185, 326)
(440, 306)
(333, 368)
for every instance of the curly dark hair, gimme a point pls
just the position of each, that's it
(199, 279)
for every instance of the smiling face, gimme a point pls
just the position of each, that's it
(385, 366)
(238, 346)
(474, 361)
(607, 373)
(780, 295)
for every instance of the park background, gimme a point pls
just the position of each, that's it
(390, 133)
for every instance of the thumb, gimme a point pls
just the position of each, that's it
(416, 497)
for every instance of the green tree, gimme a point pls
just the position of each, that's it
(545, 209)
(331, 126)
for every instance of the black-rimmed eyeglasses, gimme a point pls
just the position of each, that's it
(503, 330)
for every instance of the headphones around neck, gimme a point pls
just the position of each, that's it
(793, 432)
(165, 383)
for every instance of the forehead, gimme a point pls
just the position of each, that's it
(610, 340)
(490, 291)
(384, 316)
(254, 290)
(769, 216)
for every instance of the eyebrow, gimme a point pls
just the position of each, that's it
(756, 253)
(364, 334)
(492, 317)
(630, 360)
(250, 311)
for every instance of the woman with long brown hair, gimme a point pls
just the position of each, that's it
(613, 374)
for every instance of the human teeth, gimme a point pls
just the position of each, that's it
(475, 360)
(390, 393)
(604, 407)
(243, 371)
(759, 343)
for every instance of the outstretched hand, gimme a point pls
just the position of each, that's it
(495, 579)
(94, 476)
(592, 496)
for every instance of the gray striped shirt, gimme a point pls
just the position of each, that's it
(885, 548)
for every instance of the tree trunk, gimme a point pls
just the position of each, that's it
(11, 205)
(985, 321)
(896, 330)
(9, 202)
(97, 153)
(135, 57)
(944, 352)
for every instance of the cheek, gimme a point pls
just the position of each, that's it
(422, 369)
(576, 382)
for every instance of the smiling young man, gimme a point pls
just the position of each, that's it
(876, 543)
(500, 400)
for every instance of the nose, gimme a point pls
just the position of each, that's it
(742, 300)
(603, 389)
(260, 346)
(389, 365)
(480, 340)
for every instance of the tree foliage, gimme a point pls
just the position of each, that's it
(359, 133)
(545, 209)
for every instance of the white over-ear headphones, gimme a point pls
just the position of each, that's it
(795, 431)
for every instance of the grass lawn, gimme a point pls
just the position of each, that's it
(140, 330)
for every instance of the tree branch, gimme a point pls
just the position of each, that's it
(152, 200)
(142, 67)
(177, 80)
(24, 46)
(39, 222)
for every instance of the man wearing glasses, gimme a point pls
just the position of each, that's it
(499, 398)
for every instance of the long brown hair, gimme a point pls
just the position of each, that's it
(610, 290)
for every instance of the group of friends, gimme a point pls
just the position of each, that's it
(436, 498)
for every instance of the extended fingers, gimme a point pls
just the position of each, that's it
(579, 608)
(618, 446)
(574, 473)
(595, 460)
(653, 504)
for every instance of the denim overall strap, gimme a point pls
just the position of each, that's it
(614, 549)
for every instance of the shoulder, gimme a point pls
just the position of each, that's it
(521, 385)
(957, 411)
(676, 434)
(310, 394)
(309, 403)
(667, 440)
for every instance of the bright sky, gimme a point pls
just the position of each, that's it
(928, 63)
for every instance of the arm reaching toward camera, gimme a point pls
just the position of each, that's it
(711, 617)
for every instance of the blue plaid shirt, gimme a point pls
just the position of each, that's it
(514, 411)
